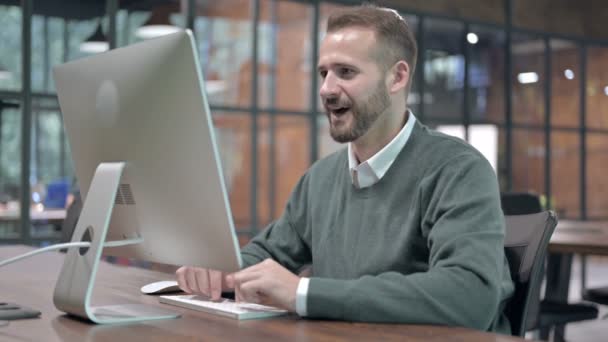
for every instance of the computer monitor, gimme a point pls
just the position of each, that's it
(146, 160)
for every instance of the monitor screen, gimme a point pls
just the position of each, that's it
(145, 105)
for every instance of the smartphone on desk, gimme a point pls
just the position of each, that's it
(12, 311)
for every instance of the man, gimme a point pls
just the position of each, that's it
(402, 226)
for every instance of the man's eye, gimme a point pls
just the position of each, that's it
(323, 73)
(347, 72)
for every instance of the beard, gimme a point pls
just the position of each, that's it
(364, 115)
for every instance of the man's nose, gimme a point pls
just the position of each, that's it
(329, 86)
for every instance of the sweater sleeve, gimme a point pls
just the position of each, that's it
(463, 224)
(284, 241)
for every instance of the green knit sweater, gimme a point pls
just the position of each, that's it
(424, 245)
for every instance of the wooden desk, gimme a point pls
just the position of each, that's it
(31, 282)
(572, 237)
(580, 237)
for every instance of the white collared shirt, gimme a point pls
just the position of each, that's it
(372, 170)
(364, 175)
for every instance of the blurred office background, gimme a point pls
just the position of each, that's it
(524, 81)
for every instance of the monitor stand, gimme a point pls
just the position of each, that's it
(75, 283)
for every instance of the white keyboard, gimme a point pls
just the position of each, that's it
(224, 307)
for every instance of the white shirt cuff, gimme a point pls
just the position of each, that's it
(301, 294)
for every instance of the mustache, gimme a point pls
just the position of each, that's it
(334, 101)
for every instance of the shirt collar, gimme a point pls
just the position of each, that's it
(379, 163)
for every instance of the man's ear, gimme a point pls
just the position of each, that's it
(400, 76)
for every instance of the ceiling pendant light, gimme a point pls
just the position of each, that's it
(157, 25)
(96, 43)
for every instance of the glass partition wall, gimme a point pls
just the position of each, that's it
(534, 102)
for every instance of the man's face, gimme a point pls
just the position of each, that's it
(353, 88)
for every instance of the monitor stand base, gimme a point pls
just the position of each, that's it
(75, 283)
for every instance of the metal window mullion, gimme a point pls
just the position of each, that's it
(26, 117)
(111, 9)
(46, 54)
(466, 48)
(65, 57)
(126, 29)
(272, 174)
(508, 88)
(254, 120)
(1, 145)
(190, 15)
(314, 99)
(583, 132)
(421, 60)
(548, 91)
(36, 115)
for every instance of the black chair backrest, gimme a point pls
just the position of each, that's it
(520, 203)
(526, 241)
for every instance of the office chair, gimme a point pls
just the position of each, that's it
(526, 241)
(548, 313)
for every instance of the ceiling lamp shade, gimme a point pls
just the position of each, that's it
(96, 43)
(157, 25)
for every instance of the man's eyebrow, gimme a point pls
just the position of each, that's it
(335, 65)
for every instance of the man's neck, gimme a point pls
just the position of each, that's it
(380, 135)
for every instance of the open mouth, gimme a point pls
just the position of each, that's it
(340, 111)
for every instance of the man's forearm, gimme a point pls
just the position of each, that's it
(444, 296)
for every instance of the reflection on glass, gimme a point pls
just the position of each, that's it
(528, 161)
(140, 20)
(486, 74)
(159, 22)
(597, 183)
(223, 33)
(285, 57)
(266, 184)
(10, 165)
(48, 38)
(443, 69)
(10, 53)
(528, 53)
(233, 136)
(48, 140)
(282, 159)
(565, 195)
(51, 181)
(597, 87)
(83, 38)
(565, 84)
(95, 43)
(10, 150)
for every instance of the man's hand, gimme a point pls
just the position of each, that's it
(203, 281)
(266, 283)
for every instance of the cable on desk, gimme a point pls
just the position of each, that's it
(118, 243)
